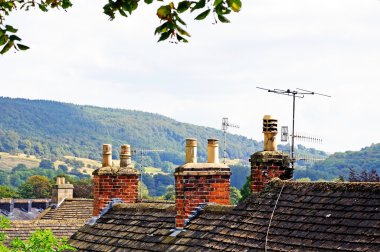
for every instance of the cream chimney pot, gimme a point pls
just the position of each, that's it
(270, 132)
(125, 156)
(213, 151)
(107, 155)
(191, 150)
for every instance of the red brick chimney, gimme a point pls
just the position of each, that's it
(269, 163)
(197, 183)
(115, 182)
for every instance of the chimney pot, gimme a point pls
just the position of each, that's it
(125, 156)
(270, 132)
(107, 155)
(60, 180)
(213, 151)
(191, 150)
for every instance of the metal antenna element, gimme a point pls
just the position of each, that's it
(299, 93)
(225, 126)
(142, 153)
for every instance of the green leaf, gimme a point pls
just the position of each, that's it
(221, 10)
(14, 37)
(123, 13)
(10, 29)
(203, 15)
(42, 7)
(164, 36)
(183, 6)
(181, 39)
(22, 47)
(177, 18)
(164, 27)
(66, 4)
(199, 5)
(3, 39)
(7, 47)
(217, 2)
(182, 31)
(148, 1)
(223, 19)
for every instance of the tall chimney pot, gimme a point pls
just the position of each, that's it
(125, 156)
(191, 150)
(107, 155)
(213, 151)
(270, 132)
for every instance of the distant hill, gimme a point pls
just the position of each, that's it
(53, 130)
(338, 164)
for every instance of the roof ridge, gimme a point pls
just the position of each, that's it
(276, 184)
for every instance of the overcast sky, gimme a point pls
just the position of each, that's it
(327, 46)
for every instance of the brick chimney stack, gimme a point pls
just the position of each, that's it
(115, 182)
(197, 183)
(269, 163)
(61, 191)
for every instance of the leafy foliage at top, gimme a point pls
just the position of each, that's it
(169, 14)
(8, 39)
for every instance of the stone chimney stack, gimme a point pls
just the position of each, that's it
(191, 150)
(61, 191)
(269, 163)
(198, 183)
(115, 182)
(213, 151)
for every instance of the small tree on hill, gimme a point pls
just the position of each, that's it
(364, 176)
(235, 195)
(35, 187)
(246, 189)
(46, 164)
(7, 192)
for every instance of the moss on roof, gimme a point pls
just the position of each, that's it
(142, 206)
(275, 184)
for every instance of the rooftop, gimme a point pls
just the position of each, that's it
(75, 208)
(284, 216)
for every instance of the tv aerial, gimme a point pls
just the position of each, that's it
(298, 93)
(142, 153)
(225, 125)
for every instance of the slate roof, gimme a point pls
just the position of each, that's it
(63, 221)
(61, 228)
(134, 226)
(77, 208)
(19, 214)
(322, 216)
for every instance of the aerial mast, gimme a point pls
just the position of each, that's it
(142, 153)
(298, 93)
(225, 126)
